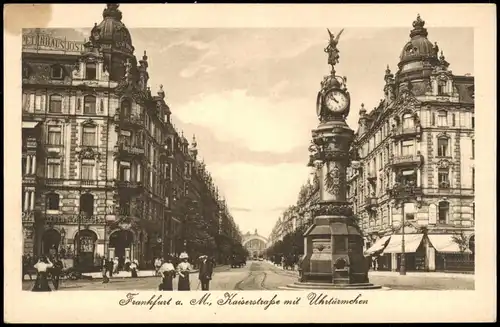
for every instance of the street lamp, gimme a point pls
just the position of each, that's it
(402, 268)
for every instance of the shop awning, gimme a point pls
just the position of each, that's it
(412, 242)
(30, 124)
(445, 243)
(379, 245)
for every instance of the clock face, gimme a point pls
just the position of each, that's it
(337, 101)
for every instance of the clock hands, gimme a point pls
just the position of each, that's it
(333, 98)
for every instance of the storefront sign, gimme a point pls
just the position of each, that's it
(39, 41)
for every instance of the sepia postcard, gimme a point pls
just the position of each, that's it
(249, 163)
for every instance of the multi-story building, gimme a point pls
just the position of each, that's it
(104, 170)
(415, 158)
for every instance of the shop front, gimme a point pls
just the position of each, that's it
(414, 251)
(449, 255)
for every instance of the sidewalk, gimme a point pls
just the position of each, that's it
(127, 274)
(396, 274)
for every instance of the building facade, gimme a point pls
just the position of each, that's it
(105, 172)
(255, 244)
(414, 156)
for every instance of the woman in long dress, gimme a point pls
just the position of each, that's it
(167, 270)
(42, 281)
(183, 270)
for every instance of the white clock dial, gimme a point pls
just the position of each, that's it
(336, 101)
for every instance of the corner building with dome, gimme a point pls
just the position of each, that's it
(414, 163)
(105, 173)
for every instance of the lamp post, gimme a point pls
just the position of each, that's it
(63, 239)
(402, 266)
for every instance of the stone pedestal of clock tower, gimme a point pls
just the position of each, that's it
(333, 244)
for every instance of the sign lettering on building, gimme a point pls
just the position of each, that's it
(40, 41)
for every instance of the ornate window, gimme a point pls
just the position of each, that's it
(444, 178)
(407, 148)
(55, 104)
(89, 105)
(409, 210)
(443, 212)
(442, 87)
(443, 146)
(87, 167)
(56, 72)
(126, 108)
(54, 169)
(408, 121)
(87, 204)
(52, 201)
(89, 136)
(125, 171)
(90, 71)
(442, 118)
(54, 135)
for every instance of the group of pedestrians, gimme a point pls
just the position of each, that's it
(113, 266)
(169, 272)
(47, 269)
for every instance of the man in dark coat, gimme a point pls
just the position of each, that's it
(56, 272)
(206, 271)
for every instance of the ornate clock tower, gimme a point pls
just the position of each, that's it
(333, 255)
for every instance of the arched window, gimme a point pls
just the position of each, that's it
(55, 104)
(442, 87)
(444, 212)
(87, 204)
(90, 71)
(126, 108)
(442, 146)
(408, 121)
(52, 201)
(442, 118)
(56, 72)
(89, 104)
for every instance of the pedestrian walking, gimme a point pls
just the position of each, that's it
(115, 265)
(42, 281)
(56, 272)
(104, 269)
(183, 269)
(205, 273)
(167, 271)
(133, 269)
(157, 266)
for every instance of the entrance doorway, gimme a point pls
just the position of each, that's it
(121, 243)
(50, 242)
(86, 247)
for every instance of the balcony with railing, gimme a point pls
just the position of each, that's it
(132, 120)
(406, 132)
(406, 160)
(54, 181)
(128, 185)
(402, 191)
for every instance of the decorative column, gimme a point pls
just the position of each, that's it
(33, 165)
(28, 165)
(333, 257)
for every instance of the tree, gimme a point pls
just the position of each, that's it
(196, 227)
(461, 240)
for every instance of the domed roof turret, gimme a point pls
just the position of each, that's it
(419, 47)
(112, 31)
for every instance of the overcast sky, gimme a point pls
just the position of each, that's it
(249, 96)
